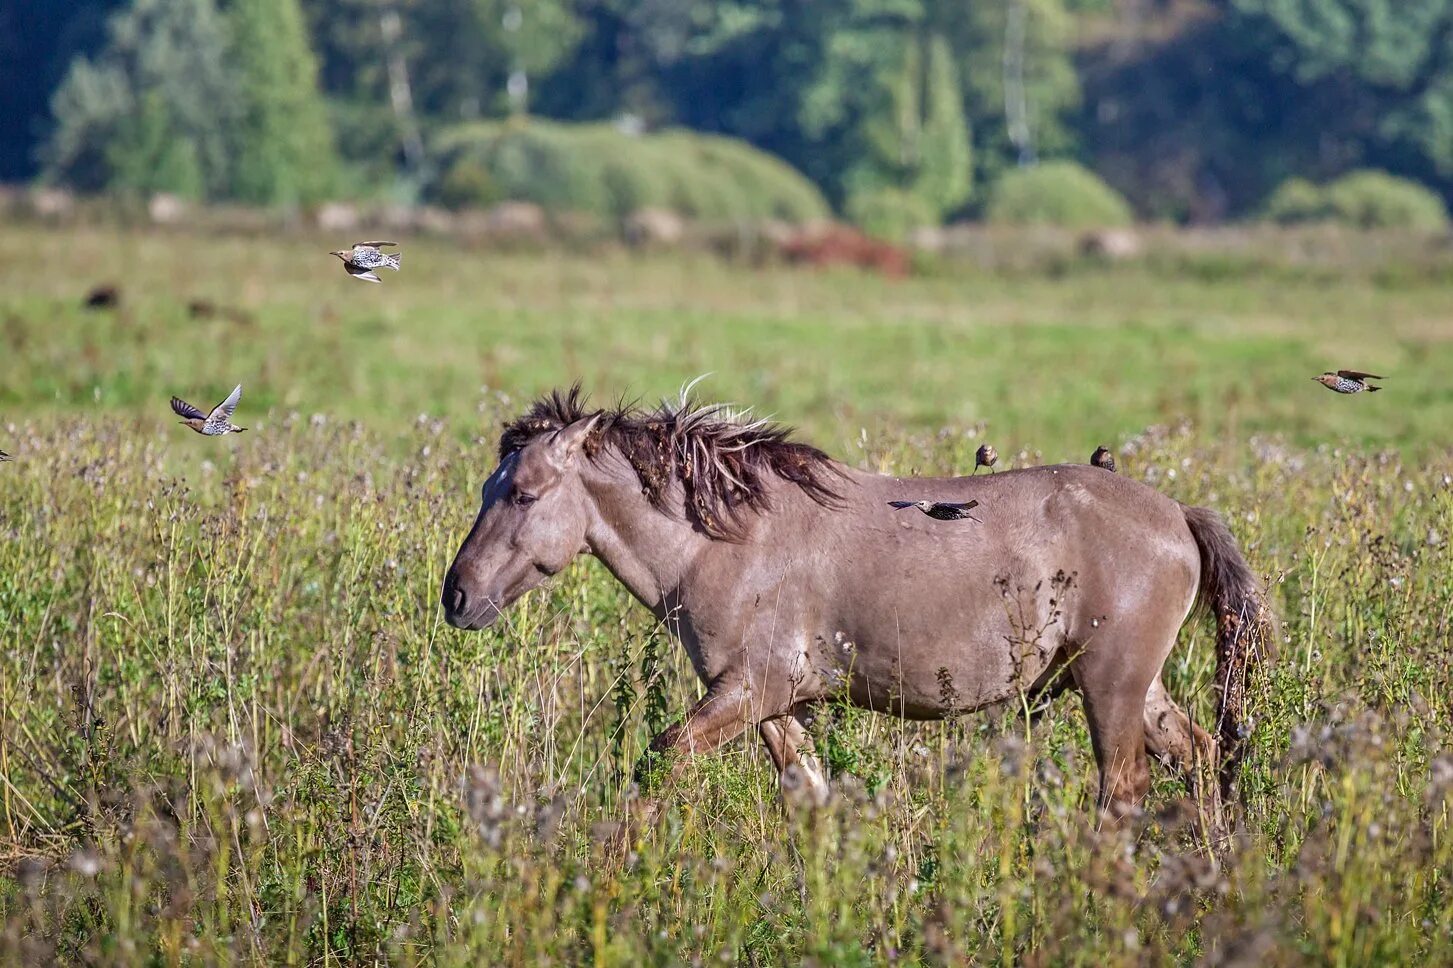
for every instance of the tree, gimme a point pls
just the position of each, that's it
(38, 43)
(151, 112)
(282, 143)
(1018, 77)
(1398, 57)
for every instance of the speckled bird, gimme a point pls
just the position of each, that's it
(1103, 458)
(1348, 381)
(985, 456)
(940, 510)
(213, 424)
(364, 257)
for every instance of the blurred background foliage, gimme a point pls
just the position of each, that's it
(901, 113)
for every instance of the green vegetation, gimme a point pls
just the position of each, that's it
(233, 726)
(1296, 201)
(184, 99)
(282, 145)
(152, 111)
(598, 170)
(1058, 193)
(1377, 200)
(1362, 199)
(908, 105)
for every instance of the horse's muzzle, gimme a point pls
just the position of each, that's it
(465, 612)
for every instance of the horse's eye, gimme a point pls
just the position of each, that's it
(524, 500)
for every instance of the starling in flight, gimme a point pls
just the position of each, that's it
(5, 456)
(213, 424)
(940, 510)
(1103, 458)
(985, 456)
(1348, 381)
(364, 257)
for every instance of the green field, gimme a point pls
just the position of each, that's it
(235, 728)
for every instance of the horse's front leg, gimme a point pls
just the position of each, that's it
(718, 717)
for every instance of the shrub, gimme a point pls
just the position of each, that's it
(1366, 199)
(1375, 199)
(891, 213)
(595, 169)
(1296, 200)
(1056, 193)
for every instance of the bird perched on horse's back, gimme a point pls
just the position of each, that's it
(1348, 381)
(363, 258)
(1103, 458)
(985, 456)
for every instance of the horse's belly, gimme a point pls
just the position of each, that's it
(927, 676)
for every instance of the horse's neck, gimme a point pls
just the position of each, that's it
(648, 551)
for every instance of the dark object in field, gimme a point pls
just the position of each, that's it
(985, 456)
(941, 510)
(202, 309)
(1103, 458)
(214, 424)
(364, 257)
(770, 561)
(1348, 381)
(104, 296)
(5, 456)
(842, 245)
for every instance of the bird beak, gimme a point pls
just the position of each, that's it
(340, 253)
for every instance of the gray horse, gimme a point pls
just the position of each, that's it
(790, 579)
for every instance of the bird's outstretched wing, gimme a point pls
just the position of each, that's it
(1358, 375)
(184, 409)
(966, 506)
(360, 272)
(900, 505)
(221, 416)
(374, 244)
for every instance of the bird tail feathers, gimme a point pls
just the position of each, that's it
(1372, 389)
(395, 260)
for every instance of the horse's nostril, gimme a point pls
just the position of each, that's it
(454, 599)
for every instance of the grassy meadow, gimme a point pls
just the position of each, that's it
(234, 727)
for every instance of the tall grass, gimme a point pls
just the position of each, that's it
(233, 728)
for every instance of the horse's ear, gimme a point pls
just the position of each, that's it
(568, 440)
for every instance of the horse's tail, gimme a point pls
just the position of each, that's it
(1245, 630)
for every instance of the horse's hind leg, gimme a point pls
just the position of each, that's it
(1114, 682)
(790, 746)
(1173, 739)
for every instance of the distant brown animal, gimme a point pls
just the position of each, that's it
(103, 296)
(842, 245)
(790, 580)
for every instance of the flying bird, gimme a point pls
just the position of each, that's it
(364, 257)
(1103, 458)
(985, 456)
(1348, 381)
(940, 510)
(213, 424)
(5, 456)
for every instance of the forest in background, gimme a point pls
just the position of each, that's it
(898, 111)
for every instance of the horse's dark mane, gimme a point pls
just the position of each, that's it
(723, 461)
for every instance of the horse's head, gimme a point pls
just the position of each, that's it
(531, 523)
